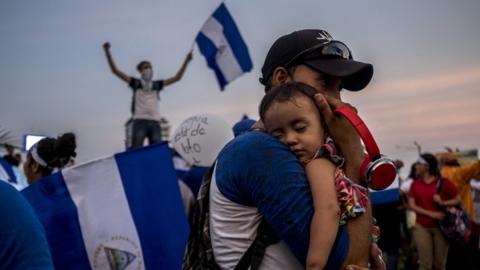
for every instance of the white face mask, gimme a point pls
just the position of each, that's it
(147, 74)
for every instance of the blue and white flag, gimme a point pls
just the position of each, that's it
(222, 45)
(6, 172)
(119, 212)
(389, 195)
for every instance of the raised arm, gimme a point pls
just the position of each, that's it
(180, 72)
(113, 67)
(470, 171)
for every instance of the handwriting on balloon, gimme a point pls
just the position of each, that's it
(192, 127)
(199, 138)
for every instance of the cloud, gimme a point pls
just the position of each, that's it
(434, 109)
(429, 83)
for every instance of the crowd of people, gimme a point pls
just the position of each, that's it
(286, 192)
(412, 232)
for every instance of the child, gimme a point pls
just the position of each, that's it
(289, 114)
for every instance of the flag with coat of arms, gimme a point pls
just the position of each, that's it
(120, 212)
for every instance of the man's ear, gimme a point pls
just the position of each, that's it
(280, 76)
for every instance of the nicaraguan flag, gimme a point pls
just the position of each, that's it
(6, 172)
(222, 45)
(119, 212)
(388, 195)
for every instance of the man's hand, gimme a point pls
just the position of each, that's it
(106, 46)
(437, 199)
(336, 125)
(342, 133)
(180, 72)
(189, 57)
(376, 260)
(113, 67)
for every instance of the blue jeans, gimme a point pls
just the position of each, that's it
(139, 129)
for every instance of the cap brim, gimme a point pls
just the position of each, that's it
(356, 75)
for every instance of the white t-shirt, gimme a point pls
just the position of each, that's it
(145, 99)
(233, 227)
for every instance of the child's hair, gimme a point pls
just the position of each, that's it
(56, 152)
(284, 93)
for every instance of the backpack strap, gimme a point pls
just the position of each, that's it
(439, 185)
(199, 253)
(209, 263)
(200, 241)
(254, 254)
(439, 190)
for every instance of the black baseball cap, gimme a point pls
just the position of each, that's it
(318, 50)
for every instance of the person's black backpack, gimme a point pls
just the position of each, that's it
(456, 226)
(199, 253)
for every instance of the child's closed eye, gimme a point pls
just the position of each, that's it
(300, 128)
(277, 135)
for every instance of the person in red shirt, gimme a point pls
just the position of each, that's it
(423, 198)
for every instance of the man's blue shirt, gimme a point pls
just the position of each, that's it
(23, 244)
(257, 170)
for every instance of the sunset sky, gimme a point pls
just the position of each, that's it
(55, 77)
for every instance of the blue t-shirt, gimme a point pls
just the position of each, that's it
(258, 170)
(23, 244)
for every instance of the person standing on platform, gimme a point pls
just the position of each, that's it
(145, 121)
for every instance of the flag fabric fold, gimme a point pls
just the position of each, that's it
(221, 43)
(120, 212)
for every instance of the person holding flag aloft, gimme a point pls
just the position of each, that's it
(145, 114)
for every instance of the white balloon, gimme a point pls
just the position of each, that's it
(200, 138)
